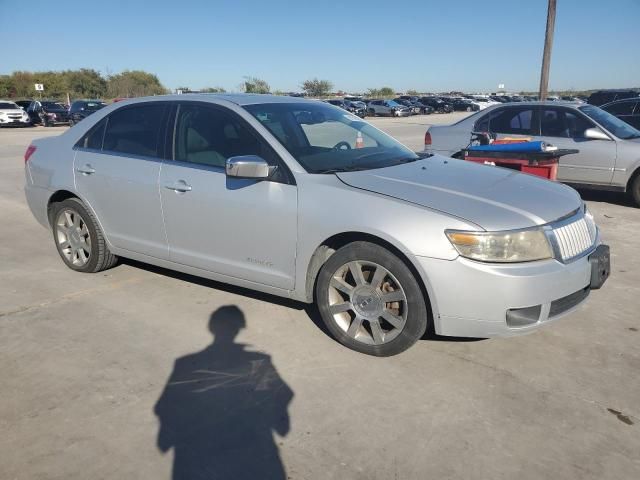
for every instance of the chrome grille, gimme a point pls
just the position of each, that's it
(575, 238)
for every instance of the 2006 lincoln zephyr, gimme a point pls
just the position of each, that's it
(301, 199)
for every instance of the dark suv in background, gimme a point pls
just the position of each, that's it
(437, 104)
(627, 110)
(47, 113)
(355, 107)
(606, 96)
(81, 109)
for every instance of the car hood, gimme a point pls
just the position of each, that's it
(491, 197)
(11, 110)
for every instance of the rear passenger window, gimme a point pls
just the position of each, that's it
(209, 136)
(135, 130)
(513, 120)
(93, 138)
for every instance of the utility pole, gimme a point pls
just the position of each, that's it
(546, 56)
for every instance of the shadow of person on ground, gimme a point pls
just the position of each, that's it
(220, 408)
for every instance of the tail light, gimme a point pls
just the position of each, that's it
(427, 138)
(30, 151)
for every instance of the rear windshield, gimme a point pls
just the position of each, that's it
(616, 126)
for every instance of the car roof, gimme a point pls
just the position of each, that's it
(622, 100)
(241, 99)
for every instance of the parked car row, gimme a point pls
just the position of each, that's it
(46, 112)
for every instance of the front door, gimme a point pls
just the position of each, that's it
(564, 128)
(241, 228)
(118, 177)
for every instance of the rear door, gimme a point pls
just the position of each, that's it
(241, 228)
(512, 122)
(116, 168)
(564, 127)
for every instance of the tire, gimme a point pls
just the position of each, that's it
(372, 112)
(468, 109)
(355, 312)
(634, 190)
(71, 123)
(84, 249)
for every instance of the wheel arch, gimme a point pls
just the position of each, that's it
(635, 174)
(57, 197)
(62, 195)
(339, 240)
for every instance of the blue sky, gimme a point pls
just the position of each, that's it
(427, 45)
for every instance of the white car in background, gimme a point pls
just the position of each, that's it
(12, 114)
(483, 101)
(609, 148)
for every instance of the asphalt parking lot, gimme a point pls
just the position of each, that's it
(86, 360)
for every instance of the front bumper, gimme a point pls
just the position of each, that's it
(16, 122)
(473, 299)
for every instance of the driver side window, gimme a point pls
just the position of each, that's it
(209, 136)
(563, 123)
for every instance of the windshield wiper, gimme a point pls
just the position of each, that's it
(348, 168)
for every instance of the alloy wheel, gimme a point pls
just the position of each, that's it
(367, 302)
(72, 235)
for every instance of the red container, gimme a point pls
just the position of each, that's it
(547, 168)
(541, 164)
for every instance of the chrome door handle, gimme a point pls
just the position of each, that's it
(179, 186)
(86, 169)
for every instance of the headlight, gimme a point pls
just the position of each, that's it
(502, 247)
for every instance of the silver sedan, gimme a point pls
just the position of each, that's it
(609, 157)
(303, 200)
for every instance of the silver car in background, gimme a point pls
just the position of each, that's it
(304, 200)
(609, 155)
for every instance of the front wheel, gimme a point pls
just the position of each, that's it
(370, 301)
(79, 239)
(372, 112)
(634, 190)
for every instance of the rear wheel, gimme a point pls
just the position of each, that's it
(372, 112)
(78, 238)
(370, 301)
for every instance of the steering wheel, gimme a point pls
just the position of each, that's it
(342, 146)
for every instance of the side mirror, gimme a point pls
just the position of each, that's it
(595, 134)
(248, 166)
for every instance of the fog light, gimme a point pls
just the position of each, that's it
(521, 317)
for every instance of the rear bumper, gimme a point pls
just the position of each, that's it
(473, 299)
(37, 200)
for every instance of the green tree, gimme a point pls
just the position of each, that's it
(134, 83)
(255, 85)
(387, 92)
(317, 88)
(213, 90)
(7, 88)
(413, 92)
(85, 83)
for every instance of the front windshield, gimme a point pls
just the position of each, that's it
(391, 103)
(325, 139)
(8, 106)
(613, 124)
